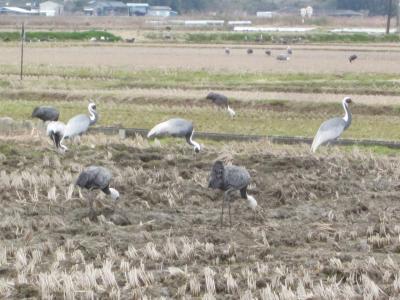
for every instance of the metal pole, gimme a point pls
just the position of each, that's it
(22, 48)
(389, 16)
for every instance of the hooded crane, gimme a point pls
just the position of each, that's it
(352, 57)
(268, 52)
(176, 128)
(230, 179)
(289, 50)
(46, 113)
(96, 178)
(283, 57)
(250, 51)
(80, 124)
(331, 129)
(221, 101)
(55, 131)
(227, 51)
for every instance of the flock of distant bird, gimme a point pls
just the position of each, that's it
(227, 178)
(283, 56)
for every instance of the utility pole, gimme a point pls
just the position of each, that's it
(389, 16)
(398, 17)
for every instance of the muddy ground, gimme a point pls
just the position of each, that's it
(327, 226)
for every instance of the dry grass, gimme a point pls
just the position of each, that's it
(328, 227)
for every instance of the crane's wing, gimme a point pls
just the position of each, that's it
(328, 131)
(174, 127)
(77, 125)
(236, 177)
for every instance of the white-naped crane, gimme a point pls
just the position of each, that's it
(177, 128)
(80, 124)
(331, 129)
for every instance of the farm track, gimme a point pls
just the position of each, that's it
(240, 99)
(371, 47)
(211, 59)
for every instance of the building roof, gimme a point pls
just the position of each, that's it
(114, 4)
(160, 8)
(16, 10)
(138, 4)
(51, 3)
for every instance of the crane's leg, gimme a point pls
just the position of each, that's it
(92, 213)
(222, 211)
(230, 218)
(226, 199)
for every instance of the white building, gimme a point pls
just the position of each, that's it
(51, 9)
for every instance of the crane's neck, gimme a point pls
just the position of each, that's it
(196, 146)
(231, 112)
(93, 116)
(347, 116)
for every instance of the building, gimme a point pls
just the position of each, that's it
(51, 9)
(138, 9)
(19, 7)
(161, 11)
(106, 8)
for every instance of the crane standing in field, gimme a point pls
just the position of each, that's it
(231, 179)
(331, 129)
(352, 58)
(80, 124)
(55, 131)
(221, 101)
(177, 128)
(96, 178)
(46, 114)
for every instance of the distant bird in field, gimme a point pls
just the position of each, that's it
(352, 58)
(80, 124)
(221, 101)
(283, 57)
(55, 131)
(227, 51)
(268, 52)
(249, 51)
(230, 179)
(177, 128)
(289, 50)
(96, 178)
(46, 113)
(331, 129)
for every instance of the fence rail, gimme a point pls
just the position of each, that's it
(288, 140)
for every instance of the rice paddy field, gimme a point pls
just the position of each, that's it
(327, 225)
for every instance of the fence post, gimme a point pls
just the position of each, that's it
(22, 48)
(122, 134)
